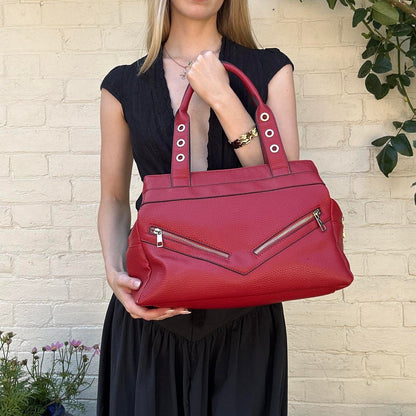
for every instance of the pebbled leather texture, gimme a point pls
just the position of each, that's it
(236, 237)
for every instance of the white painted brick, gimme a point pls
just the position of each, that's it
(79, 314)
(355, 85)
(29, 164)
(340, 409)
(381, 238)
(375, 391)
(5, 263)
(74, 165)
(33, 290)
(132, 12)
(85, 140)
(324, 136)
(386, 212)
(395, 340)
(33, 265)
(386, 264)
(271, 32)
(85, 239)
(410, 366)
(324, 391)
(4, 165)
(82, 264)
(88, 335)
(356, 262)
(86, 190)
(316, 338)
(5, 216)
(296, 390)
(6, 314)
(320, 33)
(40, 337)
(409, 310)
(371, 187)
(367, 289)
(23, 114)
(352, 35)
(310, 10)
(32, 315)
(77, 215)
(108, 292)
(381, 315)
(383, 365)
(22, 65)
(328, 58)
(30, 40)
(35, 190)
(339, 186)
(353, 213)
(33, 240)
(323, 364)
(82, 90)
(30, 215)
(380, 110)
(31, 89)
(76, 14)
(71, 65)
(82, 39)
(363, 134)
(412, 264)
(33, 140)
(3, 116)
(69, 115)
(329, 109)
(21, 14)
(90, 289)
(410, 209)
(339, 160)
(123, 37)
(328, 314)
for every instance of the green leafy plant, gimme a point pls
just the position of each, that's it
(390, 60)
(54, 376)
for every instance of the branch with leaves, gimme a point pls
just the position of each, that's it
(390, 27)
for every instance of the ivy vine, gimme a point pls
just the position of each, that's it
(390, 62)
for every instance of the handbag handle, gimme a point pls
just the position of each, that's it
(271, 143)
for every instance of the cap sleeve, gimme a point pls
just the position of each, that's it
(114, 82)
(275, 60)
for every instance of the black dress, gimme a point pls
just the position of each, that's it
(214, 362)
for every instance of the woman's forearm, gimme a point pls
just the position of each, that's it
(114, 219)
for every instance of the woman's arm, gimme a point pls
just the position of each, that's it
(114, 215)
(210, 80)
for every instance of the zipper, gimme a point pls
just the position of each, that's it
(316, 214)
(159, 242)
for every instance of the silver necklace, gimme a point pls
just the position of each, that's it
(185, 68)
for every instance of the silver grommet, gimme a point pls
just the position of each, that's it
(181, 127)
(274, 148)
(264, 116)
(269, 133)
(180, 143)
(180, 157)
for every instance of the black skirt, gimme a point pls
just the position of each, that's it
(191, 367)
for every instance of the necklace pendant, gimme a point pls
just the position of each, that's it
(183, 74)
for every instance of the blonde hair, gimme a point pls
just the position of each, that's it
(233, 22)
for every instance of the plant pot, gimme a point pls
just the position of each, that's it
(56, 409)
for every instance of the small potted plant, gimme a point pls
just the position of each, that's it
(41, 386)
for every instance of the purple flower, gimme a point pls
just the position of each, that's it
(56, 346)
(34, 350)
(47, 348)
(75, 344)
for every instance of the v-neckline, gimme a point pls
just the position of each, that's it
(165, 96)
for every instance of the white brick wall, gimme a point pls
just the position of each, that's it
(352, 353)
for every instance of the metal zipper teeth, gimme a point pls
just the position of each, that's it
(286, 231)
(188, 242)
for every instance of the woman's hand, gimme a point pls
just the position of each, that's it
(209, 78)
(123, 285)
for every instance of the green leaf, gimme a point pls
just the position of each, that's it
(359, 16)
(365, 69)
(382, 64)
(414, 144)
(387, 159)
(366, 35)
(331, 3)
(402, 145)
(397, 124)
(371, 48)
(405, 79)
(410, 74)
(381, 141)
(392, 80)
(409, 126)
(384, 13)
(373, 84)
(384, 91)
(401, 30)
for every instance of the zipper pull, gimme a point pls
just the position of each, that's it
(159, 238)
(316, 214)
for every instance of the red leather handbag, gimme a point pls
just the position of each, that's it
(236, 237)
